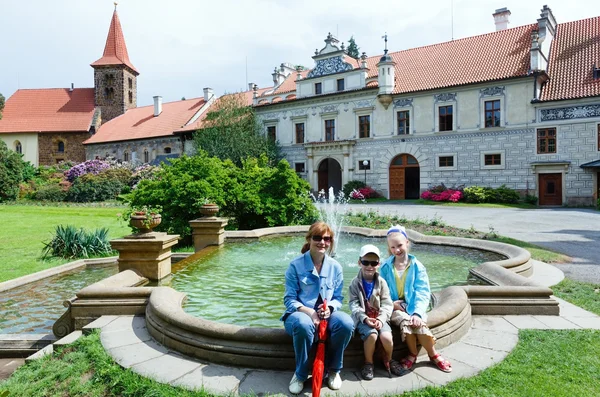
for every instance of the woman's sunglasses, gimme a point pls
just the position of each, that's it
(369, 263)
(317, 239)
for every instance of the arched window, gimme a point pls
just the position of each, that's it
(61, 147)
(125, 156)
(167, 150)
(146, 156)
(18, 147)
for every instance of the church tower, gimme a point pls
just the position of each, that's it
(115, 77)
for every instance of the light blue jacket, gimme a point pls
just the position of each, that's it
(416, 288)
(303, 284)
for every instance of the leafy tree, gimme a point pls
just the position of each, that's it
(353, 49)
(11, 173)
(1, 105)
(231, 130)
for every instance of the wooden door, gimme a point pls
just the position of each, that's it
(404, 177)
(550, 186)
(397, 191)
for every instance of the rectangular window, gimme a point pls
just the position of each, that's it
(317, 88)
(446, 161)
(329, 130)
(445, 118)
(340, 84)
(364, 165)
(403, 122)
(130, 83)
(492, 113)
(364, 126)
(299, 167)
(493, 159)
(272, 133)
(299, 132)
(546, 140)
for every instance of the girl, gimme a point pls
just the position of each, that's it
(409, 289)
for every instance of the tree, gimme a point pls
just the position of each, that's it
(11, 173)
(1, 105)
(353, 48)
(231, 130)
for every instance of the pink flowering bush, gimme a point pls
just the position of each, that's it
(446, 195)
(363, 193)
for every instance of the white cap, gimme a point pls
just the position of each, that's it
(369, 249)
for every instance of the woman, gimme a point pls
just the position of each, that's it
(311, 278)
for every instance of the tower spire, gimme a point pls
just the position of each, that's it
(115, 50)
(385, 39)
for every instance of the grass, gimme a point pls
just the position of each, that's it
(24, 228)
(437, 227)
(544, 363)
(585, 295)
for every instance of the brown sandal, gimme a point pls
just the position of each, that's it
(396, 368)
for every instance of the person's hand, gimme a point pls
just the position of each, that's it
(324, 312)
(371, 322)
(378, 324)
(314, 316)
(415, 321)
(398, 305)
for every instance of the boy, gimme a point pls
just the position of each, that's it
(371, 307)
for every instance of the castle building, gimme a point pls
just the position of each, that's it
(518, 107)
(49, 125)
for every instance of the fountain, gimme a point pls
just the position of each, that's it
(332, 210)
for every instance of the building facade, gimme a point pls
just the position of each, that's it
(526, 115)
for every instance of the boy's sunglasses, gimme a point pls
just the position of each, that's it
(369, 263)
(317, 238)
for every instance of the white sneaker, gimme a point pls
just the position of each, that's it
(334, 381)
(296, 385)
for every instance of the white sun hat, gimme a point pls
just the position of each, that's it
(369, 249)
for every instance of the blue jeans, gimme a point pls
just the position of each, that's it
(301, 328)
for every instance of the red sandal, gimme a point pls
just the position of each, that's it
(441, 363)
(408, 362)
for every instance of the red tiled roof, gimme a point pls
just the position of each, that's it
(289, 84)
(140, 123)
(246, 97)
(115, 50)
(574, 51)
(48, 110)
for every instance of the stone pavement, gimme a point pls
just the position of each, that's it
(572, 231)
(489, 341)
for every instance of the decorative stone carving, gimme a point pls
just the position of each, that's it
(365, 103)
(270, 116)
(300, 112)
(329, 108)
(571, 112)
(329, 66)
(346, 106)
(491, 91)
(445, 97)
(402, 103)
(313, 110)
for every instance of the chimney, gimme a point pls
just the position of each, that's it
(72, 87)
(363, 60)
(501, 18)
(157, 105)
(208, 93)
(541, 39)
(250, 86)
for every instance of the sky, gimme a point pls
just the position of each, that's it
(181, 46)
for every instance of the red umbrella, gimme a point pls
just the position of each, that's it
(319, 363)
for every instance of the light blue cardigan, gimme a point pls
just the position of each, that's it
(416, 288)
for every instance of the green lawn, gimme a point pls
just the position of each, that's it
(585, 295)
(24, 228)
(544, 363)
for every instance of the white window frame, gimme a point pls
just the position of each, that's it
(326, 117)
(305, 167)
(454, 167)
(454, 115)
(359, 172)
(364, 112)
(482, 102)
(271, 124)
(410, 120)
(500, 166)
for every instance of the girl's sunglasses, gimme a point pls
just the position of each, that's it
(317, 239)
(369, 263)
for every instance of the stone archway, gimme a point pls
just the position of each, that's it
(329, 175)
(404, 177)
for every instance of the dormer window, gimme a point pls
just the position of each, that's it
(596, 72)
(318, 88)
(340, 84)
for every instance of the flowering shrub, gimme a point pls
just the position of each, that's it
(446, 195)
(363, 193)
(87, 167)
(142, 172)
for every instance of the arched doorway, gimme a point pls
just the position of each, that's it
(404, 178)
(330, 175)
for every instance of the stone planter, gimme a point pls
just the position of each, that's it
(209, 210)
(143, 222)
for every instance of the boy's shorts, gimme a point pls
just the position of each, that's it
(364, 330)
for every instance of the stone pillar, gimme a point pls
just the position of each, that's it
(147, 253)
(209, 229)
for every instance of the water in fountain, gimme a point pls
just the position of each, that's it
(332, 210)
